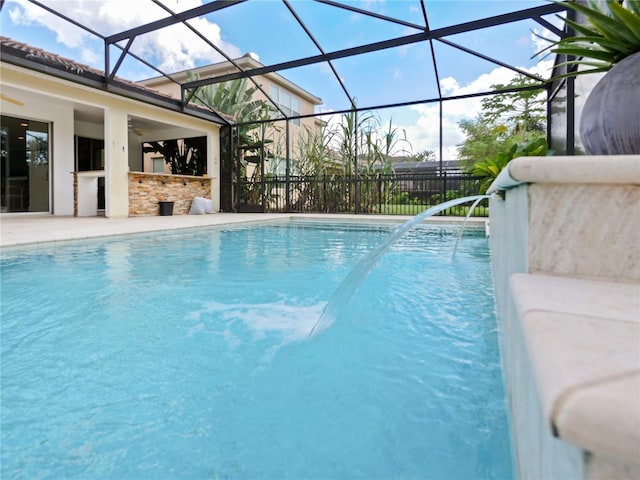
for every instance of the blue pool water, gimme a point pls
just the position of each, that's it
(188, 355)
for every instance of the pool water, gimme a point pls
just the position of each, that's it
(188, 355)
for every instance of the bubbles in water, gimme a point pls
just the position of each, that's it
(289, 322)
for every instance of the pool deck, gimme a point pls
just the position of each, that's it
(32, 229)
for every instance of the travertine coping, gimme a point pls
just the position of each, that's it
(601, 169)
(33, 229)
(583, 341)
(622, 169)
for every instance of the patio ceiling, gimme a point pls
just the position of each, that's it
(361, 39)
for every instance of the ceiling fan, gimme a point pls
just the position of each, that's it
(138, 131)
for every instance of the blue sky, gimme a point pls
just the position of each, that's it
(267, 28)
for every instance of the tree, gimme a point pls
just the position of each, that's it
(234, 99)
(522, 112)
(422, 156)
(489, 168)
(506, 119)
(483, 139)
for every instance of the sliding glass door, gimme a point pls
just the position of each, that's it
(24, 165)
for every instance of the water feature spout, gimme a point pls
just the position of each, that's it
(352, 282)
(464, 224)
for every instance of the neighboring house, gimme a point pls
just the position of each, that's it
(61, 117)
(426, 179)
(290, 98)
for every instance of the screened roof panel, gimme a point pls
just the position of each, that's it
(181, 47)
(331, 92)
(490, 42)
(395, 75)
(337, 28)
(247, 25)
(380, 49)
(441, 12)
(106, 18)
(408, 11)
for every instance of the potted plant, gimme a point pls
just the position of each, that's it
(609, 42)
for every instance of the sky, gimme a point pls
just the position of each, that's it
(270, 30)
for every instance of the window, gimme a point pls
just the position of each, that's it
(288, 103)
(277, 166)
(158, 164)
(89, 154)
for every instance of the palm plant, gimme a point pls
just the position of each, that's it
(490, 167)
(235, 99)
(605, 41)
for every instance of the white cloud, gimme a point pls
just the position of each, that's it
(28, 14)
(172, 48)
(423, 129)
(373, 5)
(90, 57)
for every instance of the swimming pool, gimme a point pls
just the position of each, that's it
(188, 355)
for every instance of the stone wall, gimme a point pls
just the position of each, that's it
(566, 228)
(538, 454)
(147, 189)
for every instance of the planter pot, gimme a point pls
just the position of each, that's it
(610, 122)
(166, 209)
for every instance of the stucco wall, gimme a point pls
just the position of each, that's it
(61, 143)
(147, 189)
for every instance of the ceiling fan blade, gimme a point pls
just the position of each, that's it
(11, 100)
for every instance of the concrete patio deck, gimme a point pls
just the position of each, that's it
(32, 229)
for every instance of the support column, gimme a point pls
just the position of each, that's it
(213, 165)
(116, 149)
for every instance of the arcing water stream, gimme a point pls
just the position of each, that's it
(352, 282)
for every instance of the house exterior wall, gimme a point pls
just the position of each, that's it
(50, 99)
(61, 140)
